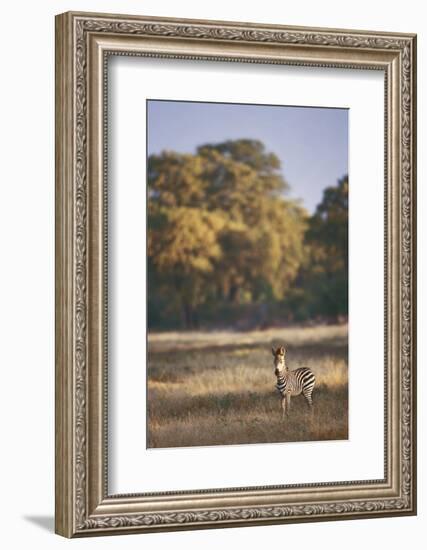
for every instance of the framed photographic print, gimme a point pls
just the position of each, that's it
(235, 274)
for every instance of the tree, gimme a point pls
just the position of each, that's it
(324, 275)
(220, 227)
(183, 247)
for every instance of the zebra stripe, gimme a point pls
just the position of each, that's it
(296, 382)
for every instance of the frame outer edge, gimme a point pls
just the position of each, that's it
(64, 237)
(414, 270)
(415, 247)
(249, 25)
(73, 517)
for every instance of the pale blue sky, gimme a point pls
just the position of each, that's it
(311, 142)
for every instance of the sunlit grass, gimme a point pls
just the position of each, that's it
(218, 388)
(290, 335)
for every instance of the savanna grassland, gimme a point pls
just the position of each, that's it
(218, 388)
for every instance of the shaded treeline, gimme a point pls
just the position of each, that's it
(227, 247)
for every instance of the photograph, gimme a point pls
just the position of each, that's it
(247, 273)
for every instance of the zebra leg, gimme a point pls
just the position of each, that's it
(288, 403)
(284, 407)
(308, 398)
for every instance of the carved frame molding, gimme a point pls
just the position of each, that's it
(83, 43)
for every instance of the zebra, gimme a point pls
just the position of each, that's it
(292, 382)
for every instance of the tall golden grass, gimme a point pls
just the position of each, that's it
(218, 388)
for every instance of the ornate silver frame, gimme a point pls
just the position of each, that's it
(83, 42)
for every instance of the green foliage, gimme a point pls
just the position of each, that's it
(323, 280)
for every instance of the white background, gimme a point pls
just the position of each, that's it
(132, 80)
(27, 274)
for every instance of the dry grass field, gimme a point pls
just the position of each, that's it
(218, 388)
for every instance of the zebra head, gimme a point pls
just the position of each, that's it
(279, 359)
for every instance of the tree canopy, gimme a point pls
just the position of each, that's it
(323, 280)
(222, 230)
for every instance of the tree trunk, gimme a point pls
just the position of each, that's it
(187, 316)
(233, 293)
(191, 319)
